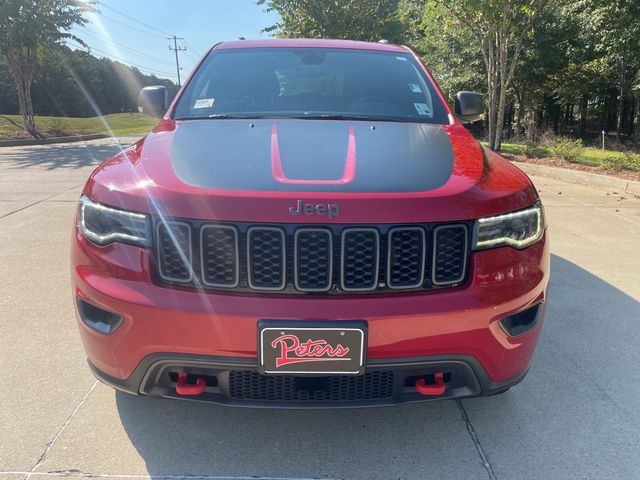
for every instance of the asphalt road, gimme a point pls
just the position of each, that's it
(576, 415)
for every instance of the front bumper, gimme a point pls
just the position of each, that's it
(236, 382)
(220, 329)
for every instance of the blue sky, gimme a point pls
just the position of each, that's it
(134, 31)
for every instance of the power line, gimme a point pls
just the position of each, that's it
(134, 51)
(131, 64)
(109, 56)
(130, 26)
(193, 49)
(133, 19)
(193, 56)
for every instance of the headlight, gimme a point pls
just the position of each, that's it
(102, 224)
(518, 229)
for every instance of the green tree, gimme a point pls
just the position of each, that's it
(449, 53)
(546, 54)
(27, 29)
(369, 20)
(498, 29)
(613, 27)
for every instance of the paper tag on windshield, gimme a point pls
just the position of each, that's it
(422, 108)
(204, 103)
(415, 88)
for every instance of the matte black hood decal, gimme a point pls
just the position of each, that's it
(310, 155)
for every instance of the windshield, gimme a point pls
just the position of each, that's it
(313, 83)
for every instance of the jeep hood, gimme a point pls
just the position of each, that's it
(254, 170)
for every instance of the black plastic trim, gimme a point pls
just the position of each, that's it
(150, 378)
(518, 329)
(84, 314)
(214, 226)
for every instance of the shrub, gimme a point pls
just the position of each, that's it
(567, 149)
(529, 149)
(547, 138)
(627, 161)
(58, 127)
(616, 145)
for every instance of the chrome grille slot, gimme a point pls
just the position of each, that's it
(360, 261)
(449, 254)
(406, 257)
(174, 251)
(313, 259)
(266, 258)
(219, 259)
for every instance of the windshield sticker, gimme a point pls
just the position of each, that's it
(415, 88)
(402, 59)
(203, 103)
(422, 109)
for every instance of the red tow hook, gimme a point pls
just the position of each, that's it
(434, 390)
(183, 388)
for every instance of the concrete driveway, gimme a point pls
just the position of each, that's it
(577, 414)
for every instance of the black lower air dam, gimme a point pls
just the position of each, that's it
(98, 319)
(521, 322)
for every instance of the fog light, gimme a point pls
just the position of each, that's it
(521, 322)
(98, 319)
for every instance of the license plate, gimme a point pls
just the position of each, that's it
(335, 348)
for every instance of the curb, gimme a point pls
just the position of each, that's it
(45, 141)
(577, 176)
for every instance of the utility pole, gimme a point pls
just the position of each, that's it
(177, 49)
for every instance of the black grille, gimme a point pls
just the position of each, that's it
(360, 259)
(245, 385)
(406, 262)
(219, 247)
(450, 254)
(289, 258)
(174, 251)
(313, 260)
(266, 258)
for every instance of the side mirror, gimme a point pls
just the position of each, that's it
(469, 106)
(153, 101)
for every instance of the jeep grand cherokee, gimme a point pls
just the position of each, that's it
(309, 225)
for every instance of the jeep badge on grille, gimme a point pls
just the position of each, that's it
(331, 210)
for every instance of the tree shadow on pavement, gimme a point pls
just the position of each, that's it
(52, 157)
(589, 334)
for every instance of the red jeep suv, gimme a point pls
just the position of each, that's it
(309, 225)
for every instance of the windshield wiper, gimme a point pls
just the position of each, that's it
(341, 116)
(220, 116)
(301, 116)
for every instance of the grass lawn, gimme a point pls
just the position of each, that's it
(594, 157)
(119, 123)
